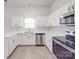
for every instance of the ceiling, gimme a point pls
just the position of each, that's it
(29, 2)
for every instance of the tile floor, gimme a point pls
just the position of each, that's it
(31, 52)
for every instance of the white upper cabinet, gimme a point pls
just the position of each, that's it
(54, 18)
(41, 21)
(50, 18)
(17, 21)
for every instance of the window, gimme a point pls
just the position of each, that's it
(29, 22)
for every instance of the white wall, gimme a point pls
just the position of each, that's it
(57, 4)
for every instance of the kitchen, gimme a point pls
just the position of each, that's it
(39, 23)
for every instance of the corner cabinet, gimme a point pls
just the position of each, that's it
(61, 52)
(10, 44)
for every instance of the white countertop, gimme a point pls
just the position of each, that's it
(9, 34)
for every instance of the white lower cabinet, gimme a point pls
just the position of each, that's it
(11, 45)
(27, 40)
(54, 18)
(50, 45)
(48, 41)
(13, 41)
(23, 40)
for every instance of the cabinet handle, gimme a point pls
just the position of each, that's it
(69, 8)
(73, 7)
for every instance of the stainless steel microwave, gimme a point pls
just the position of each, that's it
(67, 19)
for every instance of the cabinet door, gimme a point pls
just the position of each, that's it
(14, 42)
(51, 20)
(17, 21)
(41, 21)
(10, 45)
(22, 39)
(55, 18)
(48, 41)
(50, 45)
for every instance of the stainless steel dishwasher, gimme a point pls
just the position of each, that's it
(40, 38)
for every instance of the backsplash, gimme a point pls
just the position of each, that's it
(60, 30)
